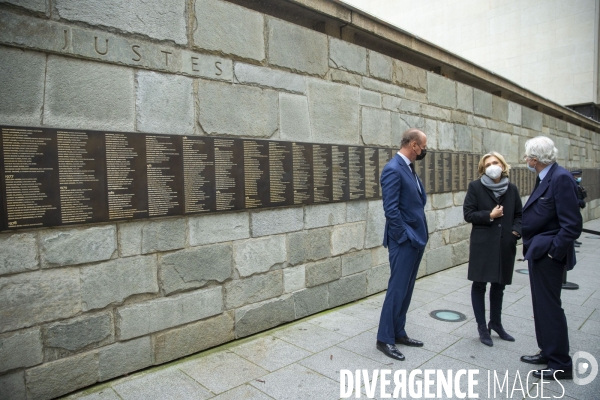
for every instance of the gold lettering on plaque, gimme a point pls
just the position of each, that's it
(96, 46)
(134, 48)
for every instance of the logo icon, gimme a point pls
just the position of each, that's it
(584, 364)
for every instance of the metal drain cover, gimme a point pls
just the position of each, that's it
(448, 315)
(523, 271)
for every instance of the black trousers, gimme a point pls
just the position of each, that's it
(551, 331)
(478, 301)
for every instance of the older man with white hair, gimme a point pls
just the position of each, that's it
(551, 223)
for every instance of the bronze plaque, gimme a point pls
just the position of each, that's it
(30, 178)
(371, 173)
(420, 169)
(455, 171)
(302, 175)
(384, 157)
(356, 173)
(281, 188)
(447, 174)
(256, 173)
(164, 171)
(462, 171)
(198, 174)
(229, 174)
(321, 173)
(339, 173)
(475, 171)
(430, 172)
(126, 176)
(439, 172)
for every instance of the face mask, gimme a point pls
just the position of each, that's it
(493, 171)
(532, 169)
(578, 180)
(422, 155)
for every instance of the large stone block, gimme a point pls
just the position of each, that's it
(347, 56)
(262, 316)
(192, 338)
(308, 245)
(403, 122)
(19, 253)
(397, 104)
(256, 113)
(532, 119)
(195, 267)
(88, 95)
(345, 77)
(271, 222)
(130, 238)
(64, 338)
(382, 87)
(408, 75)
(499, 108)
(319, 215)
(163, 235)
(376, 127)
(114, 281)
(379, 256)
(464, 97)
(450, 217)
(165, 20)
(460, 252)
(356, 211)
(347, 289)
(375, 224)
(347, 237)
(333, 110)
(297, 48)
(272, 78)
(228, 28)
(64, 246)
(294, 122)
(377, 279)
(155, 315)
(445, 136)
(259, 255)
(441, 200)
(323, 271)
(439, 259)
(12, 386)
(497, 141)
(441, 91)
(482, 103)
(463, 137)
(370, 98)
(380, 66)
(21, 86)
(21, 350)
(240, 292)
(311, 301)
(164, 103)
(207, 229)
(33, 5)
(38, 296)
(355, 262)
(294, 278)
(124, 357)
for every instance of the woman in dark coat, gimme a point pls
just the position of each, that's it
(493, 206)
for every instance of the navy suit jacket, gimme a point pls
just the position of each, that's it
(551, 218)
(403, 205)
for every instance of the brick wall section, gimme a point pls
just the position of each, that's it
(85, 304)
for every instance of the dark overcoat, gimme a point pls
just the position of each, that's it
(493, 245)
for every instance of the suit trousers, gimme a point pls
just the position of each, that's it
(551, 331)
(404, 265)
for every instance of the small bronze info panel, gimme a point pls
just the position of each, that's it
(53, 177)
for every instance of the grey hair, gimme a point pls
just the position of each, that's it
(410, 135)
(542, 148)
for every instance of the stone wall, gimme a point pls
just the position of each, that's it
(84, 304)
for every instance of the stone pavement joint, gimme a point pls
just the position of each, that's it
(303, 359)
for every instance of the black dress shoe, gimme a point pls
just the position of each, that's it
(536, 359)
(551, 373)
(390, 350)
(409, 342)
(577, 244)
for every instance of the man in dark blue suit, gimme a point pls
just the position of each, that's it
(551, 223)
(405, 237)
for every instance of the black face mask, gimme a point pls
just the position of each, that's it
(422, 155)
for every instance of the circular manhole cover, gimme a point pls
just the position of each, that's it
(448, 315)
(523, 271)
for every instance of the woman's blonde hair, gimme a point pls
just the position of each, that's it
(505, 166)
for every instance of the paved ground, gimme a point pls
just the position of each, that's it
(302, 360)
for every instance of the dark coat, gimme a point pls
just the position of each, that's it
(552, 220)
(493, 245)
